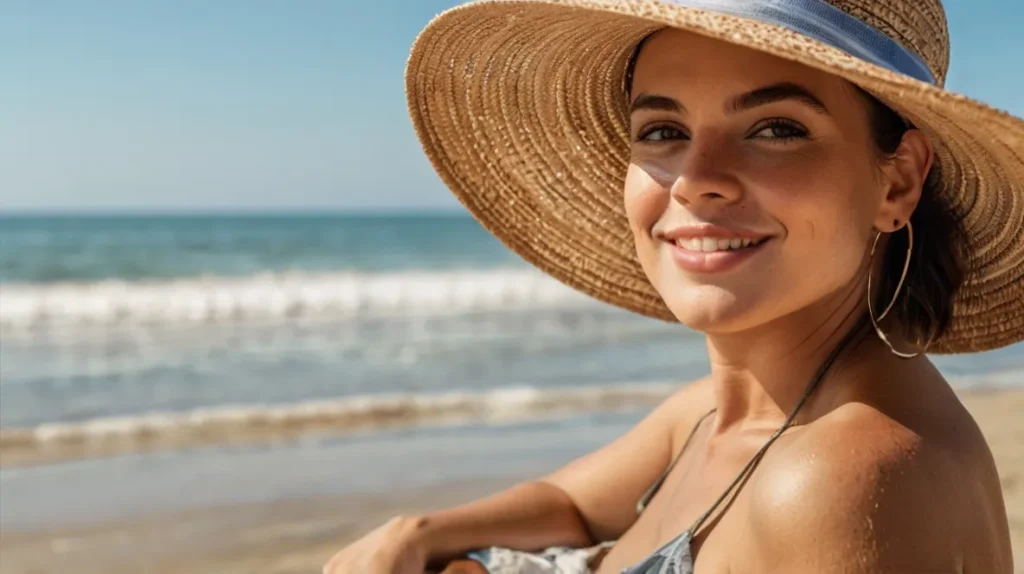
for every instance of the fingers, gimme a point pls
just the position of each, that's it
(464, 567)
(386, 550)
(333, 565)
(359, 560)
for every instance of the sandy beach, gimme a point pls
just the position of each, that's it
(300, 533)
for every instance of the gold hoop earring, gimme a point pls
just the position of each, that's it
(895, 295)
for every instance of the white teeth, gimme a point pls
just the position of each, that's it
(710, 245)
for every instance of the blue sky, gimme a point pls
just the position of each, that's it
(260, 105)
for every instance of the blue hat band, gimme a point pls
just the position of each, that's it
(827, 24)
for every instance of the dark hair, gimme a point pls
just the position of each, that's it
(924, 308)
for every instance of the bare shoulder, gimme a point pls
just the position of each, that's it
(889, 489)
(686, 407)
(606, 484)
(695, 398)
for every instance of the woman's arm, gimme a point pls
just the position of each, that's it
(593, 499)
(529, 516)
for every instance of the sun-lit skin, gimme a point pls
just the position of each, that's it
(754, 194)
(803, 175)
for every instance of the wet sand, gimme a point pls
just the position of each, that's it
(282, 537)
(299, 535)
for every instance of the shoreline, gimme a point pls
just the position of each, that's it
(298, 531)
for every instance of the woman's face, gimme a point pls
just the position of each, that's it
(754, 188)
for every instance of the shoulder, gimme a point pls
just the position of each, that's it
(680, 412)
(606, 484)
(669, 423)
(860, 486)
(697, 396)
(684, 406)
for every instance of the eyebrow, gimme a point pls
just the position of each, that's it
(752, 99)
(655, 102)
(776, 93)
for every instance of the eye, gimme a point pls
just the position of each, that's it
(661, 133)
(780, 130)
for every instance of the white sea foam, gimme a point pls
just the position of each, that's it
(231, 423)
(275, 296)
(256, 422)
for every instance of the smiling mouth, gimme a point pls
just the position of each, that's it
(714, 245)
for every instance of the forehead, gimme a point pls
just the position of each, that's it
(671, 59)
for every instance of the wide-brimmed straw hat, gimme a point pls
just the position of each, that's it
(522, 109)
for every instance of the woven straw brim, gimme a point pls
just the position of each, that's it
(520, 108)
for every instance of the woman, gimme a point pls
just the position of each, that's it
(789, 178)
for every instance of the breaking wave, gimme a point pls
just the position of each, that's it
(247, 423)
(279, 296)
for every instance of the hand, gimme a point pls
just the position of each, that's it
(464, 567)
(394, 548)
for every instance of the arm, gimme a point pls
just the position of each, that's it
(529, 516)
(590, 500)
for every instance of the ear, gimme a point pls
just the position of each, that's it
(904, 177)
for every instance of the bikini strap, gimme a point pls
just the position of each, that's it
(815, 382)
(646, 498)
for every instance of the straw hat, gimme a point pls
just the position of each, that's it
(521, 107)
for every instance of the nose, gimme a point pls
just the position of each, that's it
(705, 177)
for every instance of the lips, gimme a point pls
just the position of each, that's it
(712, 249)
(711, 244)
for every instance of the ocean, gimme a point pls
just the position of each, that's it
(133, 327)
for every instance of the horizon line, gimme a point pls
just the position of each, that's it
(235, 212)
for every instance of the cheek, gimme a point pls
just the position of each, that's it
(826, 230)
(824, 205)
(645, 201)
(811, 191)
(789, 179)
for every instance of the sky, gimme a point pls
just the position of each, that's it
(263, 105)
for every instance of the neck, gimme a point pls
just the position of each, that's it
(761, 374)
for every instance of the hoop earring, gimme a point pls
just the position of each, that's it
(871, 311)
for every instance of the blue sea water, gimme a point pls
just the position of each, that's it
(53, 249)
(135, 317)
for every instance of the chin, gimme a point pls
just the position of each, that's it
(709, 309)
